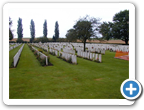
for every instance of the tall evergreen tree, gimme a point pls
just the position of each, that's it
(56, 30)
(10, 31)
(45, 29)
(20, 29)
(32, 29)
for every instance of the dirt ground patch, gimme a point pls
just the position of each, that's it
(98, 79)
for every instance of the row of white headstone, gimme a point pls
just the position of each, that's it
(97, 50)
(44, 47)
(64, 55)
(120, 48)
(12, 47)
(17, 55)
(69, 51)
(68, 56)
(92, 47)
(42, 56)
(53, 51)
(91, 56)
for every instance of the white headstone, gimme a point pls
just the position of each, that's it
(96, 58)
(100, 58)
(91, 56)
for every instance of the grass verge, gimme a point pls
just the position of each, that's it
(87, 80)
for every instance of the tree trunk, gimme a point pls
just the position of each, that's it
(84, 44)
(126, 41)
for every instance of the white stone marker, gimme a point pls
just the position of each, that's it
(102, 51)
(96, 57)
(91, 56)
(100, 58)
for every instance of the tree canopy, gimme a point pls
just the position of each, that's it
(106, 30)
(56, 30)
(84, 28)
(32, 30)
(118, 29)
(20, 29)
(71, 37)
(45, 29)
(10, 31)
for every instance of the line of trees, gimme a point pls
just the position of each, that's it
(84, 28)
(118, 29)
(32, 31)
(89, 27)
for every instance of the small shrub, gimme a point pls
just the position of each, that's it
(70, 60)
(32, 50)
(48, 58)
(40, 50)
(53, 53)
(60, 54)
(96, 60)
(43, 61)
(35, 52)
(38, 57)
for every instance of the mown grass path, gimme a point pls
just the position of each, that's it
(87, 80)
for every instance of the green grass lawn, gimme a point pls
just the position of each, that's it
(86, 80)
(12, 54)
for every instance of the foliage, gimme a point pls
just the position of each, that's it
(61, 40)
(54, 38)
(56, 30)
(10, 31)
(71, 37)
(35, 52)
(70, 60)
(85, 28)
(43, 61)
(20, 29)
(106, 30)
(48, 58)
(41, 39)
(19, 40)
(120, 28)
(32, 30)
(12, 42)
(31, 40)
(10, 34)
(45, 29)
(40, 50)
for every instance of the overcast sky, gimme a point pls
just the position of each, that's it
(65, 13)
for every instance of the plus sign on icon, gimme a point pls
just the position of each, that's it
(130, 89)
